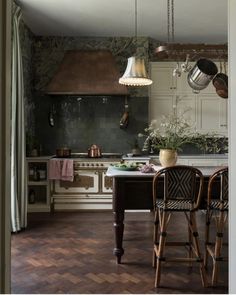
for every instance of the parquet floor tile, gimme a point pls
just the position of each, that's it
(71, 253)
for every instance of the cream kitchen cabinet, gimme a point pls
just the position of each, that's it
(206, 111)
(202, 161)
(162, 105)
(38, 186)
(212, 114)
(163, 80)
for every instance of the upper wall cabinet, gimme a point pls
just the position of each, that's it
(163, 80)
(212, 114)
(207, 111)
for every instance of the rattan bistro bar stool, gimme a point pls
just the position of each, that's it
(217, 209)
(182, 192)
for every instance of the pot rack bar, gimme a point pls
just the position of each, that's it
(178, 51)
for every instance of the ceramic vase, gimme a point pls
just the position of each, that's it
(168, 157)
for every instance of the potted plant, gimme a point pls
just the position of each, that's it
(171, 134)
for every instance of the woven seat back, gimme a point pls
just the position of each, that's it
(180, 184)
(221, 176)
(224, 186)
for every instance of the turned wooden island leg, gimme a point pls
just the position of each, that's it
(119, 230)
(118, 211)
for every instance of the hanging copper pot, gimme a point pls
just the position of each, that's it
(220, 83)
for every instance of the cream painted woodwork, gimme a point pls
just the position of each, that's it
(203, 162)
(40, 186)
(163, 80)
(212, 114)
(206, 111)
(162, 105)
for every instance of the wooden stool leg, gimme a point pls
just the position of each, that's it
(197, 248)
(218, 247)
(155, 236)
(163, 225)
(190, 251)
(207, 237)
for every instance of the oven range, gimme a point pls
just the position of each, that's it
(91, 188)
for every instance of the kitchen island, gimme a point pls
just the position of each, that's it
(132, 190)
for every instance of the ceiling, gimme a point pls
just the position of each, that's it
(196, 21)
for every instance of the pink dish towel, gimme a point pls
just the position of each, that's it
(67, 172)
(54, 169)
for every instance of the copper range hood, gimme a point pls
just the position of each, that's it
(86, 72)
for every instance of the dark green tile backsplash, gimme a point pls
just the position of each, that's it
(80, 123)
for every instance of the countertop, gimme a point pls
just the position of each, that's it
(189, 156)
(112, 172)
(142, 157)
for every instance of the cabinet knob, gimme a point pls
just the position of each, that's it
(223, 125)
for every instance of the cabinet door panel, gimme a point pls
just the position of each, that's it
(207, 111)
(203, 163)
(212, 114)
(186, 106)
(159, 107)
(162, 76)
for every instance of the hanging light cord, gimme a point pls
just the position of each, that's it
(170, 19)
(136, 22)
(173, 21)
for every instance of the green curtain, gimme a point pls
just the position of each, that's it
(18, 160)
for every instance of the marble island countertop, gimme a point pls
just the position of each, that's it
(113, 172)
(181, 156)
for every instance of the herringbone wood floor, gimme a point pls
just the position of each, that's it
(72, 253)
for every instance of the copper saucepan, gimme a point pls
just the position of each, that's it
(63, 152)
(94, 151)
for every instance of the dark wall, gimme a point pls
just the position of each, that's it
(91, 120)
(78, 124)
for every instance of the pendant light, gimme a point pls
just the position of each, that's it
(135, 73)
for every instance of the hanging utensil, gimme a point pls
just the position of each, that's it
(220, 82)
(51, 116)
(177, 71)
(124, 121)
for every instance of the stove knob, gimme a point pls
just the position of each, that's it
(92, 164)
(97, 164)
(102, 165)
(87, 164)
(82, 164)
